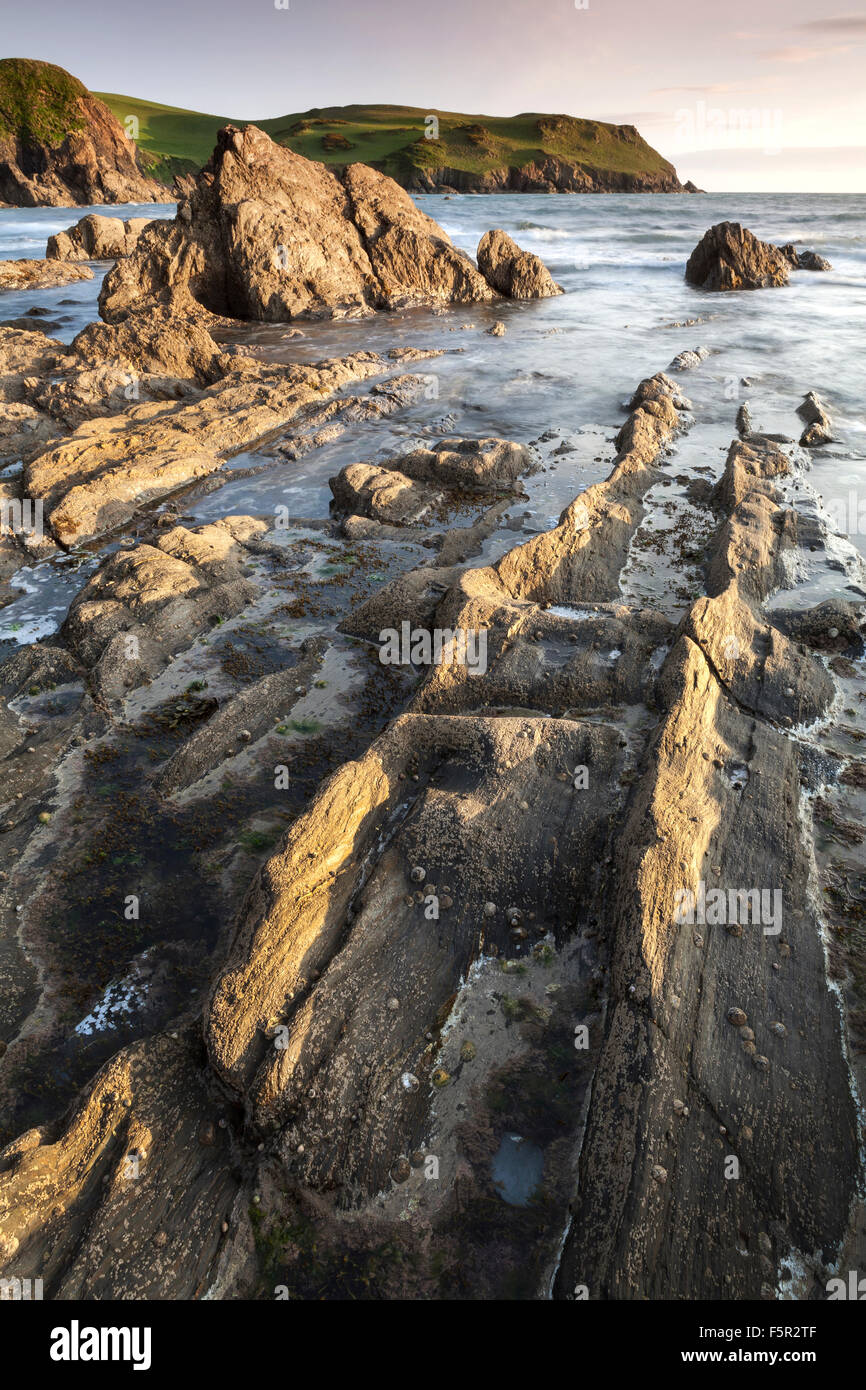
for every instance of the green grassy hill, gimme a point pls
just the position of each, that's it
(38, 102)
(392, 138)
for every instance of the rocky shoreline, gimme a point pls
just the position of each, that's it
(384, 936)
(550, 175)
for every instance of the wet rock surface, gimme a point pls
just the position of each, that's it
(402, 902)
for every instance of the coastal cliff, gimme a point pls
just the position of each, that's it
(60, 146)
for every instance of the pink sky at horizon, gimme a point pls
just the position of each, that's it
(768, 95)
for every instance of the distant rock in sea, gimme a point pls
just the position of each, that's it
(515, 273)
(730, 257)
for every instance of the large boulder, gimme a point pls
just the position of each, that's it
(730, 257)
(96, 238)
(167, 342)
(268, 235)
(512, 272)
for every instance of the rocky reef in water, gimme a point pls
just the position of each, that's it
(352, 947)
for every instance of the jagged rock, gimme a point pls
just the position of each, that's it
(266, 234)
(60, 146)
(123, 625)
(26, 360)
(832, 626)
(729, 257)
(818, 429)
(40, 275)
(337, 1014)
(97, 478)
(96, 238)
(396, 490)
(157, 341)
(804, 260)
(512, 272)
(294, 923)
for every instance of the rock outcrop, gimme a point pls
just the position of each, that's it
(818, 427)
(549, 174)
(266, 234)
(96, 238)
(512, 272)
(730, 257)
(60, 146)
(40, 275)
(804, 260)
(97, 478)
(409, 487)
(559, 881)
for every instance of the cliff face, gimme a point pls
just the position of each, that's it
(550, 175)
(427, 151)
(60, 146)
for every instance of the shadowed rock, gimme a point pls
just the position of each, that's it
(512, 272)
(729, 257)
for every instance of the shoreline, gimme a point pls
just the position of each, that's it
(355, 922)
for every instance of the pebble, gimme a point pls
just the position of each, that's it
(660, 1174)
(490, 909)
(737, 1016)
(761, 1062)
(401, 1171)
(418, 874)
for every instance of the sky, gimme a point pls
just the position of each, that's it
(755, 95)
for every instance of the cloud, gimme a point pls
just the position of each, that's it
(637, 118)
(849, 25)
(710, 88)
(792, 54)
